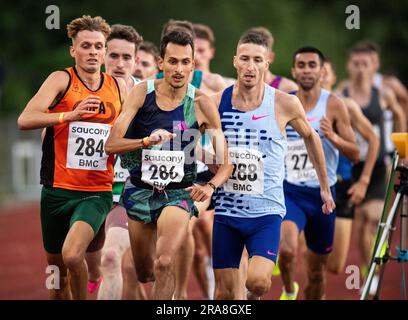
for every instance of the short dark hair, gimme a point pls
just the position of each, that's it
(177, 36)
(266, 34)
(176, 24)
(254, 37)
(204, 32)
(128, 33)
(309, 49)
(150, 48)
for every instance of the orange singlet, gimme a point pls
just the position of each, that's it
(74, 155)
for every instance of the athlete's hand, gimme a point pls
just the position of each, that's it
(160, 136)
(327, 128)
(87, 106)
(213, 167)
(328, 202)
(200, 193)
(357, 192)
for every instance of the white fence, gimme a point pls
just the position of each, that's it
(20, 159)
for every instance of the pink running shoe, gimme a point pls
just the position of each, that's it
(94, 285)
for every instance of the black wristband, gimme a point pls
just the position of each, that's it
(212, 185)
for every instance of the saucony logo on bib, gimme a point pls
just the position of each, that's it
(260, 117)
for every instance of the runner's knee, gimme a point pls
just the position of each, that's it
(162, 264)
(110, 259)
(224, 292)
(72, 259)
(258, 285)
(316, 275)
(287, 252)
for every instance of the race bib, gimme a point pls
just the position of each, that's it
(299, 168)
(248, 174)
(86, 145)
(160, 167)
(121, 173)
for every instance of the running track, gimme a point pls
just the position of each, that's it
(22, 263)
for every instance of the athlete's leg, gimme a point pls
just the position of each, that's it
(93, 260)
(64, 291)
(143, 245)
(132, 288)
(342, 235)
(225, 283)
(258, 280)
(78, 238)
(342, 230)
(199, 261)
(202, 255)
(287, 254)
(242, 276)
(372, 213)
(183, 263)
(263, 236)
(316, 268)
(117, 241)
(319, 235)
(227, 246)
(172, 229)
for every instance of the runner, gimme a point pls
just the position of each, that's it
(372, 102)
(158, 196)
(250, 207)
(77, 106)
(120, 60)
(186, 256)
(328, 115)
(381, 82)
(281, 83)
(348, 192)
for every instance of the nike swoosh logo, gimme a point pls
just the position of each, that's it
(312, 119)
(271, 253)
(260, 117)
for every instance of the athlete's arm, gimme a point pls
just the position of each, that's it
(392, 103)
(341, 86)
(296, 117)
(35, 116)
(288, 85)
(214, 81)
(343, 138)
(123, 92)
(210, 117)
(116, 142)
(358, 190)
(399, 89)
(207, 114)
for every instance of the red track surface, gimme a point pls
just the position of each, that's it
(22, 263)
